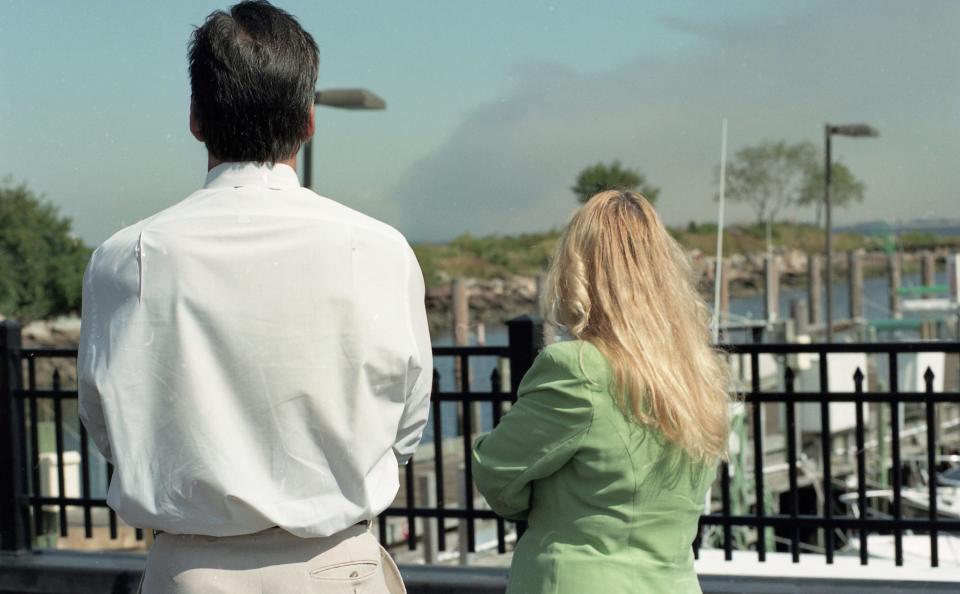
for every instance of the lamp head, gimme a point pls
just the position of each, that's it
(853, 130)
(349, 99)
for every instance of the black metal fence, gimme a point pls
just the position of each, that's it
(22, 501)
(23, 396)
(824, 519)
(525, 340)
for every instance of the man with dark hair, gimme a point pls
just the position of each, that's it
(255, 359)
(253, 73)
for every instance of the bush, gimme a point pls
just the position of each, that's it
(41, 262)
(493, 256)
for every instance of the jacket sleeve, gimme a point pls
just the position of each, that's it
(537, 436)
(90, 408)
(416, 406)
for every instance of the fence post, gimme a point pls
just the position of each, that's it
(427, 485)
(525, 335)
(463, 535)
(14, 515)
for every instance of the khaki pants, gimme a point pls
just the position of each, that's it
(271, 562)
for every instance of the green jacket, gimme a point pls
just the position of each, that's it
(611, 508)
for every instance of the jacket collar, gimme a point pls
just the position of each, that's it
(238, 174)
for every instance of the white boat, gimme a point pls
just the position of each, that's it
(916, 547)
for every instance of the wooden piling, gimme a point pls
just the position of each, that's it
(800, 315)
(893, 278)
(726, 269)
(855, 279)
(461, 312)
(928, 270)
(461, 337)
(771, 288)
(549, 330)
(460, 308)
(815, 288)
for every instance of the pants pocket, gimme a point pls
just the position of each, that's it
(356, 571)
(354, 566)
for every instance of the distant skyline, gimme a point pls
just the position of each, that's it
(493, 108)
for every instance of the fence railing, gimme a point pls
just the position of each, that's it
(773, 382)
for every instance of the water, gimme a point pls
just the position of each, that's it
(876, 302)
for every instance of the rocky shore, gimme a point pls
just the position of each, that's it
(493, 301)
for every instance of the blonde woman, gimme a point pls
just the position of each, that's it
(615, 437)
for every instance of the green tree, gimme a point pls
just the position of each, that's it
(41, 262)
(770, 177)
(601, 177)
(845, 188)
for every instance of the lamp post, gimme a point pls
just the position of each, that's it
(343, 99)
(856, 130)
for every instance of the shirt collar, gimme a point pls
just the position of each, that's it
(236, 174)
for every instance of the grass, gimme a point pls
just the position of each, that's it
(494, 256)
(751, 238)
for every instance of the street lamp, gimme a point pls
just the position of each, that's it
(856, 130)
(343, 99)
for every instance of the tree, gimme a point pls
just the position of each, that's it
(770, 177)
(41, 262)
(845, 188)
(601, 177)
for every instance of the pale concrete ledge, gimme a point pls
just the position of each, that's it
(61, 572)
(878, 571)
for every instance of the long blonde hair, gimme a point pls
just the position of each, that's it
(620, 282)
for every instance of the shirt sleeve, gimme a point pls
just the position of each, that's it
(420, 373)
(90, 409)
(537, 436)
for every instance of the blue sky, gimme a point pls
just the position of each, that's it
(493, 107)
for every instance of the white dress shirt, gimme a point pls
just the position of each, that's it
(254, 356)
